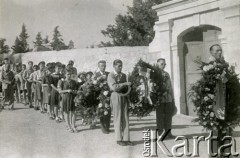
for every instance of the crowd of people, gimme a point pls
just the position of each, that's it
(52, 87)
(49, 88)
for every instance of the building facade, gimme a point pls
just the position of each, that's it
(185, 30)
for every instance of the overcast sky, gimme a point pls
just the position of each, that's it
(78, 20)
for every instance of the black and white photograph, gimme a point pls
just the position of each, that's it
(119, 78)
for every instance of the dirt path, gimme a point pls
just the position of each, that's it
(25, 133)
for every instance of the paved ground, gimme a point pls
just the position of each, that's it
(25, 133)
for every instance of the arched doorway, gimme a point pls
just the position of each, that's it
(193, 43)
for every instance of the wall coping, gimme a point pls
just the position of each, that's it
(179, 8)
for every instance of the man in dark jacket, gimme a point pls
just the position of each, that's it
(166, 109)
(102, 74)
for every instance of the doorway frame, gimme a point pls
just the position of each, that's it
(182, 71)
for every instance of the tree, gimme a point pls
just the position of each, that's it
(20, 44)
(39, 40)
(57, 42)
(71, 45)
(135, 28)
(17, 46)
(45, 40)
(4, 49)
(23, 39)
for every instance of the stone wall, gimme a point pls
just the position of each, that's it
(86, 59)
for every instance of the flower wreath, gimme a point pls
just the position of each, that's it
(87, 101)
(203, 95)
(146, 88)
(103, 89)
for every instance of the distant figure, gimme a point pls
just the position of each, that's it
(46, 88)
(5, 61)
(23, 85)
(55, 96)
(8, 79)
(68, 89)
(40, 74)
(28, 84)
(31, 79)
(81, 78)
(89, 75)
(73, 69)
(18, 80)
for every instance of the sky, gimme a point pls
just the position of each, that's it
(78, 20)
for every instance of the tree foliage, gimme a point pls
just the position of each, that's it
(4, 49)
(135, 28)
(57, 42)
(45, 40)
(39, 40)
(71, 45)
(16, 47)
(20, 44)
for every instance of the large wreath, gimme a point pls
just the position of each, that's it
(146, 89)
(203, 94)
(87, 102)
(103, 96)
(93, 99)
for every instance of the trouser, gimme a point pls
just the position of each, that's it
(17, 93)
(164, 113)
(2, 95)
(29, 92)
(121, 117)
(105, 121)
(8, 96)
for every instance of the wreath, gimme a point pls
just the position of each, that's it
(87, 102)
(146, 88)
(103, 96)
(203, 95)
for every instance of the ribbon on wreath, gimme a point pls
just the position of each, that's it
(219, 108)
(146, 86)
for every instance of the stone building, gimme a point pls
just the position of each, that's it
(185, 30)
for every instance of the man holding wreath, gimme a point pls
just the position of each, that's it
(102, 74)
(118, 84)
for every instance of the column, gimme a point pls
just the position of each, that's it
(161, 43)
(231, 31)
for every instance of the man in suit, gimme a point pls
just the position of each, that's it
(118, 84)
(221, 100)
(165, 110)
(105, 119)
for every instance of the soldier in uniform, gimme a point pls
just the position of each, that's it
(104, 120)
(165, 110)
